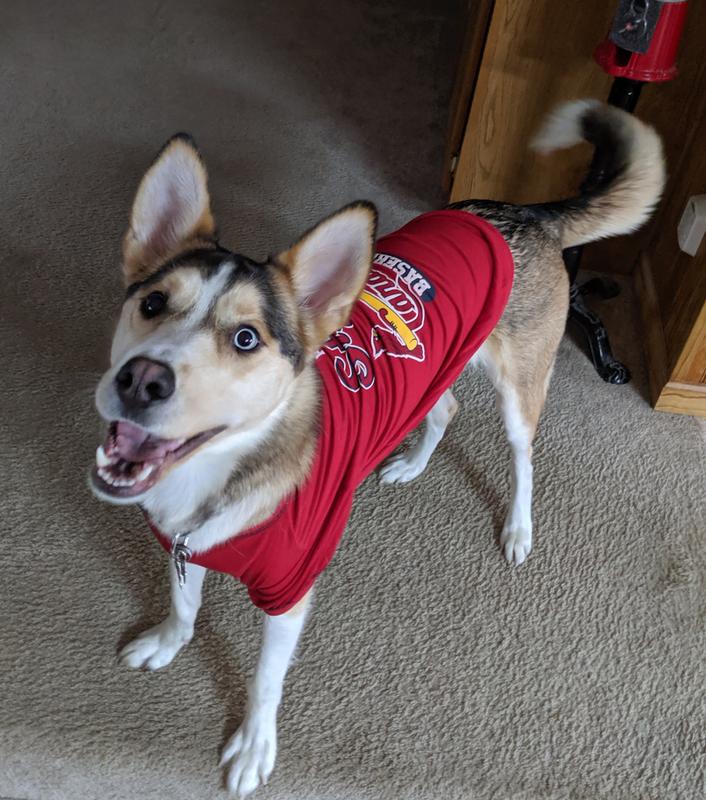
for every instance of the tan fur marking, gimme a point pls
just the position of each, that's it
(182, 288)
(525, 359)
(242, 305)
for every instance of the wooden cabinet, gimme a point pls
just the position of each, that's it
(523, 57)
(671, 284)
(537, 54)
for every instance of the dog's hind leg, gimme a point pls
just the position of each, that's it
(520, 368)
(520, 426)
(157, 646)
(407, 465)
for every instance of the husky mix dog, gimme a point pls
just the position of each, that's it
(226, 375)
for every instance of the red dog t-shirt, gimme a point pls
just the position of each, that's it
(436, 289)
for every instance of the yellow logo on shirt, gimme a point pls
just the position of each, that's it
(394, 320)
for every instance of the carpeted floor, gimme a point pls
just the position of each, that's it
(430, 668)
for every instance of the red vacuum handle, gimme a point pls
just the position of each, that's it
(659, 63)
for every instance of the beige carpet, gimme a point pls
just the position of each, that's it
(430, 670)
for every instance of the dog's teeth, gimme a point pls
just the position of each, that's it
(104, 462)
(113, 480)
(145, 472)
(102, 459)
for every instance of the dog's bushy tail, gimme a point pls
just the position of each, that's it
(631, 184)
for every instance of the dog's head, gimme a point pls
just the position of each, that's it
(209, 343)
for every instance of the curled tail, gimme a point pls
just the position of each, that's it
(632, 181)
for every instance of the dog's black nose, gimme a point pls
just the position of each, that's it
(142, 382)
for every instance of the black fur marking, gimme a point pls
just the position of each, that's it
(181, 136)
(511, 220)
(611, 151)
(207, 259)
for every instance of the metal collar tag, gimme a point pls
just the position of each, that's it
(181, 555)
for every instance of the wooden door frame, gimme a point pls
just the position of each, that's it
(476, 18)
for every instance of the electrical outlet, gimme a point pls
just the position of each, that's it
(692, 225)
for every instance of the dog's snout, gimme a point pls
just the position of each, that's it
(142, 382)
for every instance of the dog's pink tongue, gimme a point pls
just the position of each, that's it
(132, 443)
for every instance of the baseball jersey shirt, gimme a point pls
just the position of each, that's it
(436, 289)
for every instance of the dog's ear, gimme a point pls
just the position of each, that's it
(171, 210)
(329, 265)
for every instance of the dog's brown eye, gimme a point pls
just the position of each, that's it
(246, 338)
(153, 304)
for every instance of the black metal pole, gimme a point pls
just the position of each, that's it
(624, 93)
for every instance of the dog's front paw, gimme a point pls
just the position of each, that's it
(157, 646)
(249, 756)
(402, 467)
(516, 543)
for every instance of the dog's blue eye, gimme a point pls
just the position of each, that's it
(246, 338)
(153, 304)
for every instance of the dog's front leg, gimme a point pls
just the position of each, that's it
(250, 753)
(157, 646)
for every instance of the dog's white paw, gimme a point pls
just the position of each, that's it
(249, 756)
(157, 646)
(516, 543)
(402, 468)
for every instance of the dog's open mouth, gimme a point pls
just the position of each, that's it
(131, 460)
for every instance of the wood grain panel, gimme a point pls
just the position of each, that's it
(676, 351)
(654, 343)
(678, 111)
(683, 398)
(537, 54)
(682, 303)
(691, 366)
(684, 391)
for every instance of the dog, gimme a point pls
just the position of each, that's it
(245, 400)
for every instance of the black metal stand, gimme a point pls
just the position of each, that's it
(623, 94)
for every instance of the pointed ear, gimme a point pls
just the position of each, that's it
(329, 266)
(171, 209)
